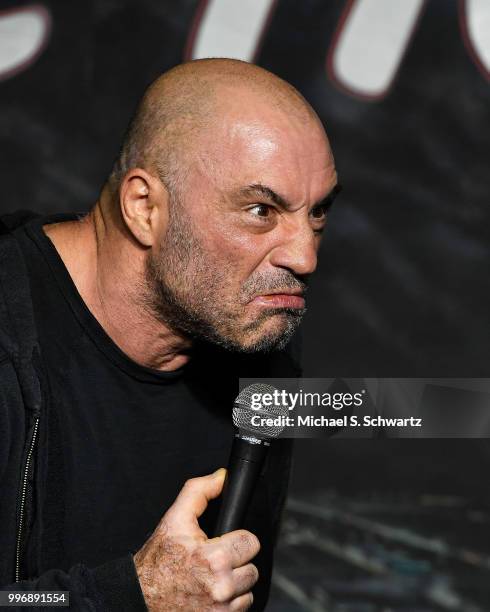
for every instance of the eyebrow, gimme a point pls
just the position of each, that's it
(328, 200)
(257, 189)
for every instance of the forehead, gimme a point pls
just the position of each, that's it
(291, 154)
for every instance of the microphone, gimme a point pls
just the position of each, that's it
(249, 450)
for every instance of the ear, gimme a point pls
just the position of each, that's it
(144, 205)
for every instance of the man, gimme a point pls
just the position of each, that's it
(189, 270)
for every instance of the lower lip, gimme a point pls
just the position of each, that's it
(281, 300)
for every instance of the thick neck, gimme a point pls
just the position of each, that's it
(107, 267)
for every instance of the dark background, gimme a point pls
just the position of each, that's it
(402, 287)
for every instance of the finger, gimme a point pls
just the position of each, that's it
(194, 497)
(242, 546)
(244, 578)
(244, 602)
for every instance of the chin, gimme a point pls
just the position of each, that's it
(272, 336)
(266, 333)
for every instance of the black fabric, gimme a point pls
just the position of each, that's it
(118, 440)
(108, 579)
(20, 400)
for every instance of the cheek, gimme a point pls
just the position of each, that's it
(240, 253)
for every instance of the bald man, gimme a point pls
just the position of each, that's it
(117, 385)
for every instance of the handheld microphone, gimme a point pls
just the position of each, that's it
(250, 446)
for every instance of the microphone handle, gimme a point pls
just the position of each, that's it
(244, 467)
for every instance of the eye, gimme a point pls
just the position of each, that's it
(319, 212)
(261, 210)
(318, 216)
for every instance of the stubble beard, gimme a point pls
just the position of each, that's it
(183, 289)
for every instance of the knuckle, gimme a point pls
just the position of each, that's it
(250, 600)
(255, 543)
(222, 591)
(253, 574)
(242, 603)
(191, 484)
(163, 526)
(249, 542)
(242, 543)
(219, 560)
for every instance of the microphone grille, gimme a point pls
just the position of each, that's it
(249, 404)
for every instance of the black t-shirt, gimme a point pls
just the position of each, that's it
(123, 438)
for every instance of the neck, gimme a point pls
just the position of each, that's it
(107, 267)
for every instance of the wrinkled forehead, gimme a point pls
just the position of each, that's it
(291, 154)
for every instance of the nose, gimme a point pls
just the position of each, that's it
(296, 250)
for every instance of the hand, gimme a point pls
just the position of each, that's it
(179, 568)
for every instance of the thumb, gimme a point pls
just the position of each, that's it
(193, 499)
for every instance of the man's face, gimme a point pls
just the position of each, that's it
(243, 237)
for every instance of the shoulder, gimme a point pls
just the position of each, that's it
(18, 334)
(8, 281)
(14, 291)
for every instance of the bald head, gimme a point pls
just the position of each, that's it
(191, 99)
(219, 199)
